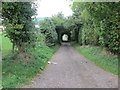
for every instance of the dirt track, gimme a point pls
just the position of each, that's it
(69, 69)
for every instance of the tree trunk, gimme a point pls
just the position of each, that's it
(13, 47)
(21, 47)
(76, 35)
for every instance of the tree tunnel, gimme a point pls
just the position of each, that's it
(64, 35)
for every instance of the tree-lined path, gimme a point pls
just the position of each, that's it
(29, 42)
(69, 69)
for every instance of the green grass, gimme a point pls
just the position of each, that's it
(6, 45)
(0, 74)
(100, 57)
(17, 72)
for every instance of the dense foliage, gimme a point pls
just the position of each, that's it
(30, 42)
(59, 21)
(47, 27)
(92, 23)
(100, 23)
(52, 28)
(16, 72)
(18, 22)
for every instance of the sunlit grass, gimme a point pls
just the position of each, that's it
(5, 44)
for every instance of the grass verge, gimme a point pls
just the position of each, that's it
(18, 72)
(100, 57)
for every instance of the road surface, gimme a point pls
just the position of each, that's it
(69, 69)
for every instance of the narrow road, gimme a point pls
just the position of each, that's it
(69, 69)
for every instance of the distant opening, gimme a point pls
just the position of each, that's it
(65, 37)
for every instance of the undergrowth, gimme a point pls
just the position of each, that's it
(18, 72)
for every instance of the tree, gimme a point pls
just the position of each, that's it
(18, 22)
(47, 27)
(100, 23)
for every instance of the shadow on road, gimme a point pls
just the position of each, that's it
(65, 44)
